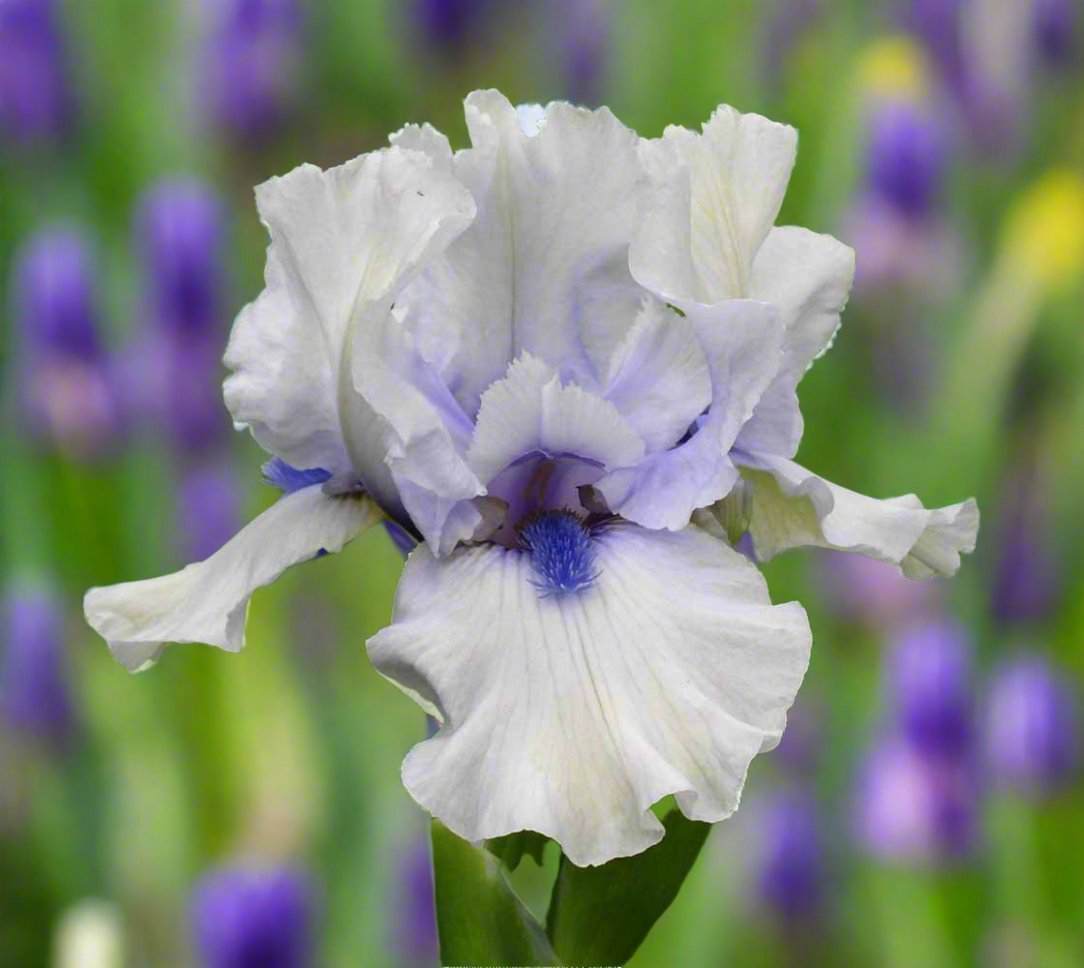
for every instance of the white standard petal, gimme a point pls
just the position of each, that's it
(427, 139)
(531, 411)
(207, 602)
(786, 506)
(544, 266)
(808, 278)
(741, 341)
(714, 197)
(571, 715)
(531, 117)
(342, 241)
(410, 421)
(659, 377)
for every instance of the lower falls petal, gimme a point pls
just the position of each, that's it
(207, 602)
(571, 714)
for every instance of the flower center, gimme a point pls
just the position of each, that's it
(559, 544)
(537, 482)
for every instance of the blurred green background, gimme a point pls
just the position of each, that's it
(943, 140)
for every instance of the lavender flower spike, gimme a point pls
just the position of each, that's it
(791, 873)
(36, 102)
(566, 360)
(415, 924)
(906, 158)
(1027, 578)
(584, 27)
(35, 697)
(180, 234)
(930, 680)
(252, 65)
(209, 508)
(1055, 24)
(247, 916)
(913, 809)
(67, 389)
(1032, 727)
(446, 28)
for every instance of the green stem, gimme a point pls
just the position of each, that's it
(601, 915)
(480, 920)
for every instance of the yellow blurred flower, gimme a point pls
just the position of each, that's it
(893, 67)
(1043, 236)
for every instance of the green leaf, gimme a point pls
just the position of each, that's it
(479, 918)
(601, 915)
(511, 849)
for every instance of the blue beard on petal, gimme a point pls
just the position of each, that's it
(537, 482)
(559, 544)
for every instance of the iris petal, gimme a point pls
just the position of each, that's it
(572, 714)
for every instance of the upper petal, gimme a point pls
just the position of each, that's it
(342, 241)
(786, 506)
(571, 715)
(405, 422)
(714, 197)
(808, 278)
(741, 341)
(544, 267)
(207, 602)
(427, 139)
(659, 378)
(532, 411)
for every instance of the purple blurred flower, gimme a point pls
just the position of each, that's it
(905, 158)
(34, 692)
(209, 509)
(243, 917)
(67, 387)
(416, 920)
(912, 807)
(786, 28)
(938, 24)
(1032, 740)
(187, 400)
(791, 873)
(803, 738)
(917, 793)
(895, 223)
(983, 61)
(55, 297)
(447, 28)
(35, 94)
(1026, 586)
(584, 34)
(873, 592)
(930, 681)
(253, 64)
(899, 253)
(180, 236)
(1054, 23)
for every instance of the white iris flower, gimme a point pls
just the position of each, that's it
(564, 361)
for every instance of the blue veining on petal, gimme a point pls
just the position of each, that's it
(290, 479)
(559, 545)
